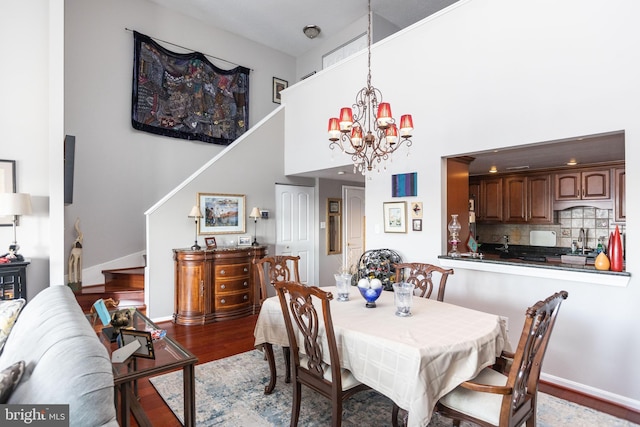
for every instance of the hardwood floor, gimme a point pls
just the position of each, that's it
(223, 339)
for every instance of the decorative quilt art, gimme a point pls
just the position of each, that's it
(186, 96)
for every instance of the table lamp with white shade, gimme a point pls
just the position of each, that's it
(195, 213)
(15, 204)
(255, 214)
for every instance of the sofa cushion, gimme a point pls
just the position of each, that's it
(9, 310)
(9, 378)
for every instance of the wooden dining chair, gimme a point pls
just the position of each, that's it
(271, 270)
(505, 395)
(421, 275)
(310, 332)
(279, 268)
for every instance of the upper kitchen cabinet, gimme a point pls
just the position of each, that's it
(590, 184)
(527, 199)
(487, 193)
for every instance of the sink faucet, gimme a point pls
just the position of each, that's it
(505, 244)
(582, 240)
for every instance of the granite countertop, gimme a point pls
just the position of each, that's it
(533, 256)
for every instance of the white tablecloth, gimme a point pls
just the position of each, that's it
(412, 360)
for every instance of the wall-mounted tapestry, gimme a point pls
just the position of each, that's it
(186, 96)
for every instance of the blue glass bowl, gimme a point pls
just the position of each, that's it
(370, 295)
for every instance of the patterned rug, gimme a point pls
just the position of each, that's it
(230, 393)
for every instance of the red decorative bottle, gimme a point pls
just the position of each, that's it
(615, 250)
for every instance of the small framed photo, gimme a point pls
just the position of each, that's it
(416, 224)
(210, 242)
(334, 206)
(264, 214)
(143, 337)
(278, 86)
(416, 209)
(244, 241)
(395, 217)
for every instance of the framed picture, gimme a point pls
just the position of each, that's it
(334, 206)
(223, 213)
(278, 86)
(264, 214)
(210, 242)
(404, 185)
(395, 217)
(416, 209)
(143, 337)
(244, 241)
(416, 224)
(7, 185)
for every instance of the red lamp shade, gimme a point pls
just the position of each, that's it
(391, 134)
(406, 126)
(346, 119)
(334, 129)
(384, 114)
(356, 136)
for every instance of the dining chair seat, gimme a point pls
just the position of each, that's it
(348, 380)
(480, 405)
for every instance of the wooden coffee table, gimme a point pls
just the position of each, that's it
(169, 356)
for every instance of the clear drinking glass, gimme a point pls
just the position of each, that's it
(343, 283)
(403, 296)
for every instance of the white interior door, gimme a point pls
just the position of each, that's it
(354, 224)
(295, 219)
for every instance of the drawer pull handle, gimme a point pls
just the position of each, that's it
(245, 298)
(246, 269)
(223, 272)
(222, 301)
(223, 286)
(246, 284)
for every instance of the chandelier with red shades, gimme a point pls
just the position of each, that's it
(367, 131)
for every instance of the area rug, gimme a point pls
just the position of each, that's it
(230, 393)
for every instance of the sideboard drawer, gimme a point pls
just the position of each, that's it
(232, 270)
(231, 286)
(232, 301)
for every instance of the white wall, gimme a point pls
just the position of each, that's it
(31, 122)
(121, 172)
(490, 74)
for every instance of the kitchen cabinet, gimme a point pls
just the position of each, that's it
(588, 184)
(619, 186)
(487, 193)
(215, 284)
(527, 199)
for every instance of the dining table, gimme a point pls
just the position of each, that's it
(412, 360)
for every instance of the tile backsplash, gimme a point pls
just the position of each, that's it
(597, 224)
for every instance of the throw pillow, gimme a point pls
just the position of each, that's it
(9, 379)
(9, 310)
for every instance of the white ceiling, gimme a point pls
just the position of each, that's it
(279, 23)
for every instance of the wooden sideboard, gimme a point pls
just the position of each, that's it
(215, 284)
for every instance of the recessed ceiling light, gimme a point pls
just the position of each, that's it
(493, 169)
(340, 172)
(572, 162)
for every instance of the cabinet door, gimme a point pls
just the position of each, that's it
(491, 197)
(620, 207)
(568, 186)
(515, 199)
(540, 209)
(190, 289)
(596, 185)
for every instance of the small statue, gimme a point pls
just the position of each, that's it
(75, 260)
(120, 319)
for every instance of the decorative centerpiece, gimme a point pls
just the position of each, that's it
(370, 290)
(454, 235)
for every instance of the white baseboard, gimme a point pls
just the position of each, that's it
(592, 391)
(93, 275)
